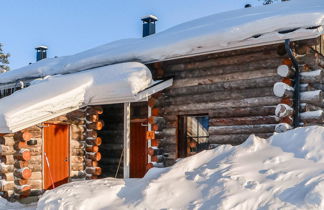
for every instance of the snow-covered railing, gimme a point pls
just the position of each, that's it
(10, 88)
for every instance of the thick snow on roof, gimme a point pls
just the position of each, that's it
(60, 94)
(283, 172)
(219, 32)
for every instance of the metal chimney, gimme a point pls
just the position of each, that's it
(41, 52)
(149, 25)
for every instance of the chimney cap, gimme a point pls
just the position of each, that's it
(41, 47)
(149, 18)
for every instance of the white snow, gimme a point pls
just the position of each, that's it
(220, 32)
(282, 172)
(60, 94)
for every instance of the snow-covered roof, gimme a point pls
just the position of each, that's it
(220, 32)
(56, 95)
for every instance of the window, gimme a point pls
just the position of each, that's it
(193, 135)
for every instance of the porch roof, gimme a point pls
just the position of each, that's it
(57, 95)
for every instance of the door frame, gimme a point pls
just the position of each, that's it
(43, 126)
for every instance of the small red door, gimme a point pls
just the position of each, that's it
(138, 150)
(56, 155)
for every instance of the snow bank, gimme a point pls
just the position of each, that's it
(219, 32)
(60, 94)
(283, 172)
(5, 205)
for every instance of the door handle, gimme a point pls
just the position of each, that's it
(66, 160)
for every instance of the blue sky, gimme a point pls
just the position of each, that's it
(71, 26)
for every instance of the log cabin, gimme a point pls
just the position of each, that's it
(125, 107)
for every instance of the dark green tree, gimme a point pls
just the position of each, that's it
(4, 61)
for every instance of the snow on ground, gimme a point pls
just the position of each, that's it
(219, 32)
(283, 172)
(5, 205)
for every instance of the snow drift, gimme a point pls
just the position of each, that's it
(285, 171)
(298, 19)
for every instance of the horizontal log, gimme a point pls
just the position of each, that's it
(316, 76)
(77, 144)
(6, 185)
(77, 152)
(35, 184)
(20, 145)
(35, 160)
(7, 140)
(91, 163)
(92, 148)
(241, 129)
(36, 176)
(154, 151)
(282, 127)
(283, 110)
(158, 158)
(225, 77)
(95, 125)
(317, 116)
(154, 165)
(285, 71)
(92, 118)
(94, 170)
(8, 194)
(234, 139)
(304, 107)
(77, 159)
(6, 168)
(255, 120)
(23, 154)
(312, 97)
(95, 156)
(222, 86)
(23, 190)
(95, 141)
(248, 102)
(7, 150)
(35, 150)
(77, 174)
(283, 90)
(221, 70)
(95, 109)
(21, 181)
(23, 173)
(8, 176)
(22, 136)
(35, 167)
(217, 96)
(91, 134)
(78, 114)
(245, 58)
(77, 167)
(8, 159)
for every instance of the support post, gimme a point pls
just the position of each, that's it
(296, 96)
(126, 140)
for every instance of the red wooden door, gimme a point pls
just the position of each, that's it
(56, 155)
(138, 150)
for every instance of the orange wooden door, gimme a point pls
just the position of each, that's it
(56, 155)
(138, 149)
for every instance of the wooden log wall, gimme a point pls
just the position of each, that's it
(84, 149)
(311, 96)
(19, 164)
(235, 90)
(112, 136)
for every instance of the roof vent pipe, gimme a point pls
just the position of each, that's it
(41, 52)
(149, 25)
